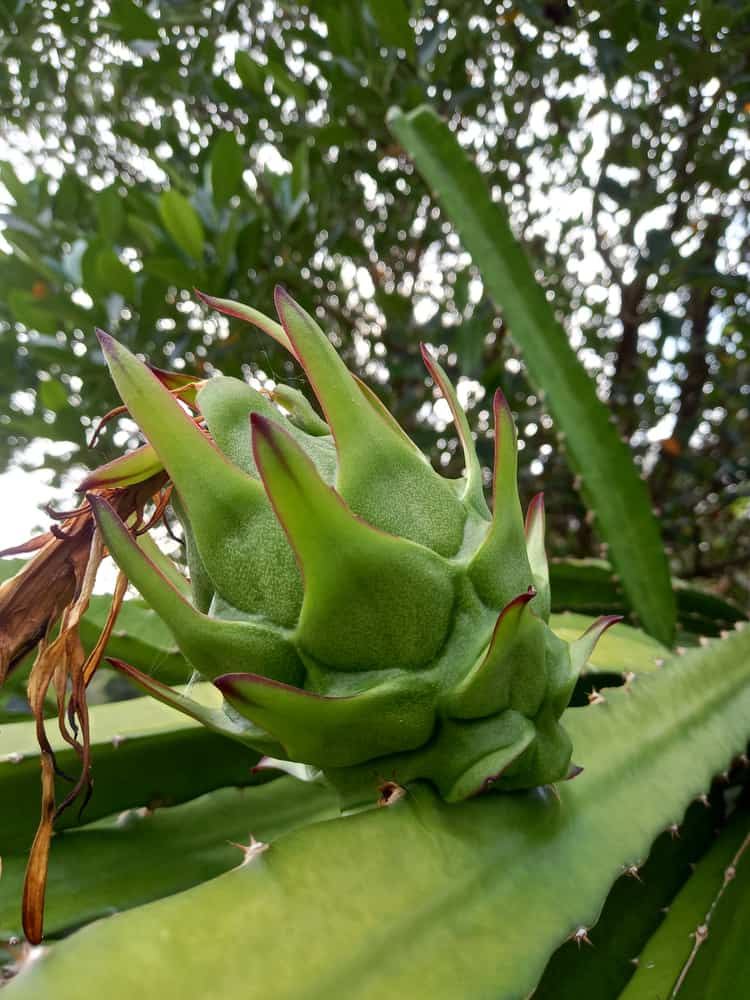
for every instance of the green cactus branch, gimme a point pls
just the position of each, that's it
(700, 950)
(423, 897)
(145, 753)
(610, 481)
(130, 859)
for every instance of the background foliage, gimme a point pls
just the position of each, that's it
(155, 147)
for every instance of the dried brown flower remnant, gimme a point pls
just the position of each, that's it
(53, 589)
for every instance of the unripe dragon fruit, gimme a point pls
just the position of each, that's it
(361, 614)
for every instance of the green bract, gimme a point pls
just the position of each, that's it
(360, 613)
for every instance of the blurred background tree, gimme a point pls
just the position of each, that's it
(152, 147)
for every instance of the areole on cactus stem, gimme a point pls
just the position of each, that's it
(360, 613)
(368, 621)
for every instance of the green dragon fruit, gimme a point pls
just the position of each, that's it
(365, 619)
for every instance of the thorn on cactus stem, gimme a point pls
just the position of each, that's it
(635, 961)
(581, 936)
(628, 677)
(703, 640)
(590, 517)
(553, 790)
(743, 760)
(633, 871)
(659, 662)
(390, 793)
(723, 777)
(596, 697)
(680, 650)
(577, 483)
(251, 850)
(674, 831)
(704, 801)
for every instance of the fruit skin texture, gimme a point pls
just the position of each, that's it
(361, 614)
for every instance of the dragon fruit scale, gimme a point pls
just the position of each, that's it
(366, 620)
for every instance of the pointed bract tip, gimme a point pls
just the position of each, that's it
(524, 598)
(261, 425)
(282, 298)
(99, 504)
(517, 602)
(227, 685)
(534, 510)
(230, 686)
(426, 356)
(273, 436)
(133, 673)
(601, 625)
(107, 343)
(499, 402)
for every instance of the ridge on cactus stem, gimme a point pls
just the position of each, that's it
(365, 619)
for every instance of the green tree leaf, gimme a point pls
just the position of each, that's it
(182, 222)
(132, 21)
(392, 21)
(250, 73)
(115, 276)
(110, 213)
(227, 164)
